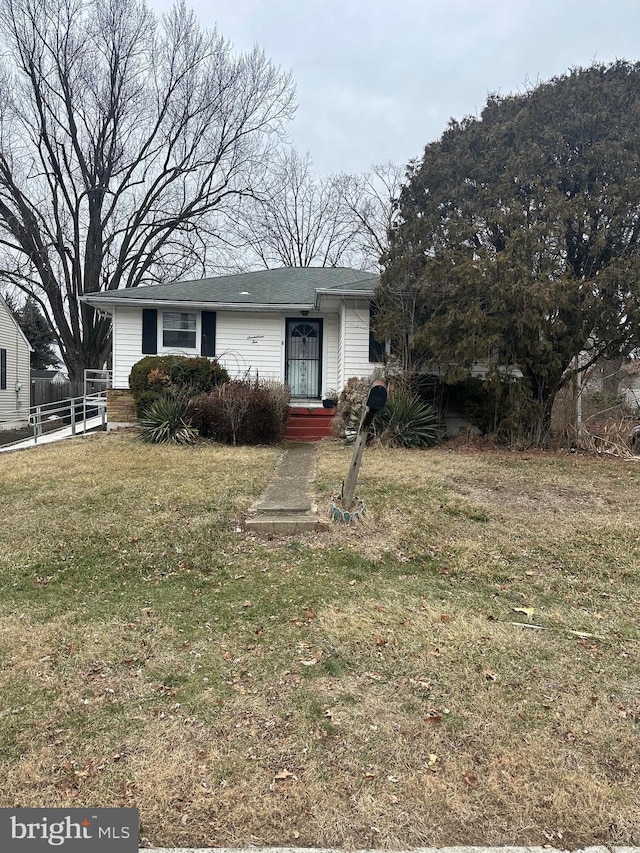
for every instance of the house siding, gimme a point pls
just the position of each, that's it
(331, 355)
(127, 343)
(14, 408)
(353, 350)
(252, 344)
(247, 344)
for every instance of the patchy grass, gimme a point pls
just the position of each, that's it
(460, 668)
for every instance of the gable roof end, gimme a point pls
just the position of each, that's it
(15, 323)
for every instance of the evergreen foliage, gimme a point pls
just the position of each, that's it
(39, 334)
(518, 244)
(183, 377)
(166, 421)
(406, 421)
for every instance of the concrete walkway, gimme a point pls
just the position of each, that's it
(287, 506)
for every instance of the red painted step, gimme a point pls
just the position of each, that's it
(308, 423)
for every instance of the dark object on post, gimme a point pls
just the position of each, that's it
(377, 397)
(375, 402)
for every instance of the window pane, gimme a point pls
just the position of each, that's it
(179, 330)
(183, 340)
(174, 320)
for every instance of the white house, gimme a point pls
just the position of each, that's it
(55, 377)
(308, 327)
(14, 371)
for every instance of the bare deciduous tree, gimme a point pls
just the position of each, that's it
(122, 139)
(371, 201)
(300, 221)
(305, 219)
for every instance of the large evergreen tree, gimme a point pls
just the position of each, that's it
(39, 334)
(518, 244)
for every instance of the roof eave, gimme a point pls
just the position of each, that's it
(108, 304)
(341, 294)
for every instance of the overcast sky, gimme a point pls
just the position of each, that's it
(378, 79)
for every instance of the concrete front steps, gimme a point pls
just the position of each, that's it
(308, 423)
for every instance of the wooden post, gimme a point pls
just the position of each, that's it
(354, 468)
(375, 402)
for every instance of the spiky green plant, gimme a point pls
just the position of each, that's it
(407, 421)
(166, 421)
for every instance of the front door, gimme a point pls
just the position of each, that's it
(303, 358)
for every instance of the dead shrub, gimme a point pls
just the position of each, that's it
(349, 406)
(242, 412)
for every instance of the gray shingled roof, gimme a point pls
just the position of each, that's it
(45, 374)
(285, 286)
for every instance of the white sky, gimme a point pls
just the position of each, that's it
(378, 79)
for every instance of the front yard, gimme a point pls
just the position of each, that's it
(460, 668)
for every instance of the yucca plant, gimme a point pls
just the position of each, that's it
(407, 421)
(166, 422)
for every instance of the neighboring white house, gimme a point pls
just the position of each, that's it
(14, 371)
(55, 377)
(308, 327)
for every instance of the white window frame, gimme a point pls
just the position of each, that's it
(173, 348)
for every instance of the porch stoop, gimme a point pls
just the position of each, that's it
(308, 423)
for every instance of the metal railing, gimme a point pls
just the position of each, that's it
(74, 412)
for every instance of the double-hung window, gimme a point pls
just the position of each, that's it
(178, 330)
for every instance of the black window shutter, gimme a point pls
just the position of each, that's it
(149, 331)
(376, 349)
(3, 369)
(208, 342)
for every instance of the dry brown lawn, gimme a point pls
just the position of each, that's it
(460, 668)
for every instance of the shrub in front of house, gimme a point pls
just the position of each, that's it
(179, 376)
(242, 412)
(166, 421)
(407, 421)
(349, 410)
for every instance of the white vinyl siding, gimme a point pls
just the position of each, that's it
(251, 345)
(14, 406)
(354, 349)
(330, 356)
(246, 344)
(127, 342)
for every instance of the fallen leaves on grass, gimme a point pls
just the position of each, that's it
(283, 775)
(434, 716)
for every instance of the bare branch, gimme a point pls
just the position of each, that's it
(122, 140)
